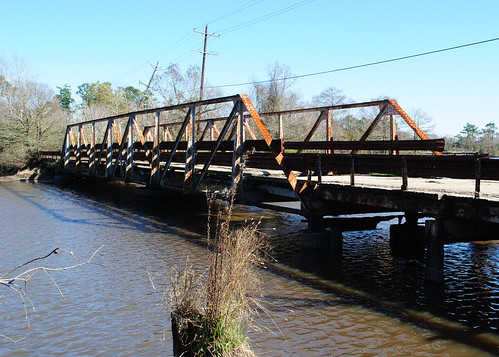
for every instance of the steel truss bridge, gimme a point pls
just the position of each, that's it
(290, 156)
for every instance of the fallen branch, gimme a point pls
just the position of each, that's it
(18, 283)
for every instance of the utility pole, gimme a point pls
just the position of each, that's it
(148, 86)
(206, 34)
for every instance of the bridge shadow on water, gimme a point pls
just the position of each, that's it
(366, 274)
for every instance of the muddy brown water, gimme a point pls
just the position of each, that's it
(366, 302)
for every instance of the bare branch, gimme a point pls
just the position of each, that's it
(26, 276)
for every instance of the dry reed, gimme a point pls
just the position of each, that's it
(212, 316)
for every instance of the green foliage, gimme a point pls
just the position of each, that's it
(65, 98)
(112, 101)
(473, 139)
(97, 92)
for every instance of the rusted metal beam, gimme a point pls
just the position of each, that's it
(166, 108)
(408, 120)
(280, 127)
(248, 127)
(400, 145)
(109, 151)
(314, 128)
(329, 129)
(154, 176)
(222, 134)
(104, 140)
(328, 107)
(66, 150)
(238, 151)
(174, 149)
(129, 149)
(278, 155)
(190, 152)
(372, 126)
(91, 159)
(121, 152)
(116, 132)
(78, 148)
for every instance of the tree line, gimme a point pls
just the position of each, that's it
(33, 117)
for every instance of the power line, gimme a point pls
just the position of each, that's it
(264, 17)
(227, 30)
(174, 45)
(235, 11)
(363, 65)
(190, 34)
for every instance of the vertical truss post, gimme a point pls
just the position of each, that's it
(352, 170)
(329, 129)
(66, 148)
(190, 151)
(280, 128)
(109, 150)
(155, 158)
(212, 130)
(78, 148)
(393, 133)
(91, 156)
(404, 174)
(129, 150)
(237, 155)
(478, 177)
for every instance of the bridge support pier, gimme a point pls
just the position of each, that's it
(407, 239)
(318, 237)
(329, 239)
(435, 251)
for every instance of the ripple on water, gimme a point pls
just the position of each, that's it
(113, 310)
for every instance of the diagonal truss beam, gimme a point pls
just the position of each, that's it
(278, 153)
(177, 141)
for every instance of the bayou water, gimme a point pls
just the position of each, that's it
(365, 302)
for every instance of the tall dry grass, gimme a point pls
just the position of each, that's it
(214, 313)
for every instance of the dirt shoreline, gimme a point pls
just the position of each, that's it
(31, 175)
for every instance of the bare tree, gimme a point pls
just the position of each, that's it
(330, 96)
(276, 93)
(174, 87)
(423, 120)
(30, 116)
(17, 281)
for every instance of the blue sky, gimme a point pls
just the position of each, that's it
(88, 41)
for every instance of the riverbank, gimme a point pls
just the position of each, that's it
(43, 172)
